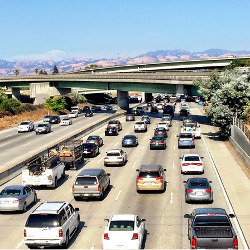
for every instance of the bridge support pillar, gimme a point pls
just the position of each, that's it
(180, 89)
(122, 99)
(148, 97)
(16, 93)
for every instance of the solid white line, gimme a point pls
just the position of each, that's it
(171, 198)
(19, 244)
(143, 147)
(100, 160)
(173, 164)
(116, 144)
(118, 195)
(231, 210)
(174, 147)
(134, 164)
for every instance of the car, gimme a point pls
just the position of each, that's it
(91, 183)
(76, 109)
(90, 149)
(115, 123)
(86, 108)
(161, 132)
(73, 114)
(187, 119)
(55, 119)
(130, 117)
(186, 140)
(167, 119)
(124, 231)
(129, 140)
(140, 109)
(47, 118)
(183, 113)
(95, 139)
(168, 110)
(163, 124)
(157, 142)
(154, 109)
(150, 177)
(51, 224)
(88, 113)
(185, 106)
(198, 189)
(140, 126)
(43, 128)
(191, 163)
(66, 121)
(108, 107)
(25, 126)
(17, 198)
(96, 108)
(146, 119)
(111, 131)
(193, 128)
(115, 157)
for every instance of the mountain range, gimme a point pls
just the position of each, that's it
(28, 67)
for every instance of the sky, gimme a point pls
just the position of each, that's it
(61, 29)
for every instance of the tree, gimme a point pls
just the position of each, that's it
(36, 70)
(246, 113)
(16, 72)
(55, 70)
(228, 95)
(56, 104)
(10, 105)
(3, 96)
(45, 72)
(41, 72)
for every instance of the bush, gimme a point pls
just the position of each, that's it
(4, 113)
(246, 113)
(10, 105)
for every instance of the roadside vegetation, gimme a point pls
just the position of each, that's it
(228, 95)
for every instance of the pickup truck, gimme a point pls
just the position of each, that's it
(71, 153)
(43, 170)
(191, 127)
(211, 228)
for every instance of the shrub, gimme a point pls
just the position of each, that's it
(10, 105)
(56, 104)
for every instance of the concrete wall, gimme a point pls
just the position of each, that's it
(241, 144)
(122, 99)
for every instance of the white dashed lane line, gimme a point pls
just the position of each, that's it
(118, 195)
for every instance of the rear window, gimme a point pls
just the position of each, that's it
(88, 145)
(192, 158)
(11, 192)
(130, 137)
(186, 136)
(149, 174)
(198, 184)
(43, 220)
(212, 220)
(24, 123)
(140, 123)
(113, 154)
(190, 124)
(121, 226)
(93, 138)
(113, 122)
(157, 138)
(86, 180)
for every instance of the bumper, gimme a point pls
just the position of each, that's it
(22, 129)
(181, 144)
(41, 131)
(127, 144)
(158, 146)
(11, 207)
(118, 162)
(194, 197)
(192, 169)
(146, 187)
(140, 129)
(43, 242)
(96, 194)
(107, 244)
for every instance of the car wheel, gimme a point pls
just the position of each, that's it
(101, 196)
(24, 207)
(77, 198)
(35, 199)
(55, 183)
(66, 243)
(82, 159)
(186, 200)
(78, 222)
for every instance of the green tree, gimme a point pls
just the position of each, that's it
(76, 98)
(3, 96)
(16, 72)
(228, 95)
(41, 72)
(246, 113)
(45, 72)
(56, 104)
(36, 70)
(55, 70)
(10, 105)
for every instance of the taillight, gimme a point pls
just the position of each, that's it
(179, 140)
(60, 233)
(135, 236)
(96, 141)
(71, 165)
(235, 243)
(99, 188)
(119, 157)
(106, 157)
(50, 177)
(185, 164)
(133, 140)
(139, 179)
(123, 140)
(193, 243)
(159, 178)
(17, 201)
(152, 142)
(189, 190)
(24, 233)
(73, 188)
(91, 150)
(192, 139)
(117, 125)
(106, 236)
(87, 141)
(161, 142)
(199, 164)
(208, 190)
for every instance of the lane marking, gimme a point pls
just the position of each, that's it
(173, 164)
(100, 160)
(116, 144)
(171, 198)
(231, 210)
(118, 195)
(134, 164)
(143, 147)
(19, 244)
(174, 147)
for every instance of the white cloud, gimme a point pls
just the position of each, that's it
(53, 55)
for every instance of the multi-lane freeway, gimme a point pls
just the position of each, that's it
(165, 224)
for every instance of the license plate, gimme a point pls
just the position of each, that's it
(110, 132)
(199, 193)
(149, 183)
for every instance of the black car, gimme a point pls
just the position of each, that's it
(158, 142)
(161, 132)
(168, 110)
(111, 131)
(55, 119)
(154, 109)
(130, 117)
(90, 149)
(183, 113)
(86, 108)
(88, 113)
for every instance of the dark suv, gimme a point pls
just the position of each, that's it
(55, 119)
(90, 149)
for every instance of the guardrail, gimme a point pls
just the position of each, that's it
(16, 169)
(241, 125)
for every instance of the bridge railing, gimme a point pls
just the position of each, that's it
(242, 126)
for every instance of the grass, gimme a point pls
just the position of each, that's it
(13, 121)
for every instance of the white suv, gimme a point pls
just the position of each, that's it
(51, 224)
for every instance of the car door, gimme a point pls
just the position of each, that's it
(74, 216)
(140, 227)
(29, 195)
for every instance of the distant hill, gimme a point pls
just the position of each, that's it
(28, 67)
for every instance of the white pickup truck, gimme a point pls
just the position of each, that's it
(44, 170)
(191, 127)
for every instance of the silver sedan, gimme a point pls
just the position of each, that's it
(17, 198)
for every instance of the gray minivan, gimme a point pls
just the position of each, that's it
(90, 183)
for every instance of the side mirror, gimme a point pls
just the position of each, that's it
(177, 135)
(231, 215)
(108, 174)
(202, 157)
(184, 181)
(137, 170)
(143, 220)
(77, 209)
(106, 220)
(165, 169)
(210, 182)
(187, 216)
(180, 158)
(181, 126)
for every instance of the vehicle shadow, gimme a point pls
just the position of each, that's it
(59, 183)
(105, 111)
(74, 237)
(144, 239)
(201, 119)
(200, 202)
(214, 136)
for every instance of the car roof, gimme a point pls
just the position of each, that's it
(92, 171)
(46, 123)
(50, 207)
(146, 168)
(14, 187)
(186, 155)
(209, 211)
(25, 121)
(117, 217)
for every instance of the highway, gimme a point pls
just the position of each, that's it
(165, 224)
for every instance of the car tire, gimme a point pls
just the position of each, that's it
(76, 198)
(24, 207)
(35, 199)
(82, 159)
(66, 243)
(101, 196)
(55, 183)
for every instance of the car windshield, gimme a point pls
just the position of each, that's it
(47, 116)
(11, 192)
(149, 174)
(192, 158)
(186, 136)
(121, 226)
(24, 123)
(88, 145)
(93, 138)
(211, 220)
(113, 154)
(43, 220)
(157, 138)
(41, 125)
(129, 137)
(54, 117)
(86, 180)
(198, 183)
(65, 119)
